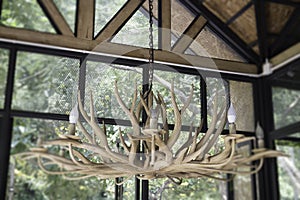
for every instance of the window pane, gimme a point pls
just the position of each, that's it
(4, 54)
(243, 183)
(289, 170)
(286, 106)
(182, 85)
(29, 182)
(189, 189)
(136, 32)
(68, 9)
(241, 95)
(100, 80)
(105, 10)
(45, 83)
(215, 86)
(25, 14)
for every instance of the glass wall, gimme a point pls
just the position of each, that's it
(45, 90)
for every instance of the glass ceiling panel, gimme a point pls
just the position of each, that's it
(208, 44)
(68, 10)
(136, 31)
(105, 10)
(25, 14)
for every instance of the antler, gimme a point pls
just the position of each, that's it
(192, 159)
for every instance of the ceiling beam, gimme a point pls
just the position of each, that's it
(120, 50)
(55, 17)
(239, 13)
(261, 27)
(288, 54)
(85, 19)
(119, 20)
(164, 24)
(223, 31)
(189, 34)
(285, 2)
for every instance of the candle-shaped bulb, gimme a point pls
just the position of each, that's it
(74, 115)
(231, 115)
(260, 136)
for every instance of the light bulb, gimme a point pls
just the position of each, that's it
(74, 115)
(231, 115)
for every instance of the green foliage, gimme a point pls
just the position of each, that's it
(46, 83)
(3, 74)
(105, 10)
(286, 106)
(190, 189)
(136, 32)
(25, 14)
(289, 184)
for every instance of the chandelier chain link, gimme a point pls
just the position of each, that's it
(151, 50)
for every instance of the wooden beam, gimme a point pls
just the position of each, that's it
(164, 23)
(124, 50)
(55, 17)
(119, 20)
(285, 55)
(176, 58)
(190, 33)
(44, 38)
(85, 19)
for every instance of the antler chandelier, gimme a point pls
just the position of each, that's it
(89, 154)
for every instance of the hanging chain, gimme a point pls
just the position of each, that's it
(151, 50)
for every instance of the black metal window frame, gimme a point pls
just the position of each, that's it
(8, 114)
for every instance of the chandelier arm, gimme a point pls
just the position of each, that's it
(132, 117)
(81, 157)
(164, 117)
(188, 101)
(84, 131)
(197, 131)
(211, 129)
(178, 121)
(188, 142)
(90, 120)
(217, 133)
(73, 157)
(134, 99)
(126, 148)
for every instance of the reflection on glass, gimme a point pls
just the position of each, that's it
(68, 9)
(289, 170)
(27, 181)
(105, 10)
(243, 184)
(100, 80)
(286, 106)
(241, 96)
(136, 32)
(25, 14)
(189, 189)
(45, 83)
(3, 74)
(182, 86)
(215, 86)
